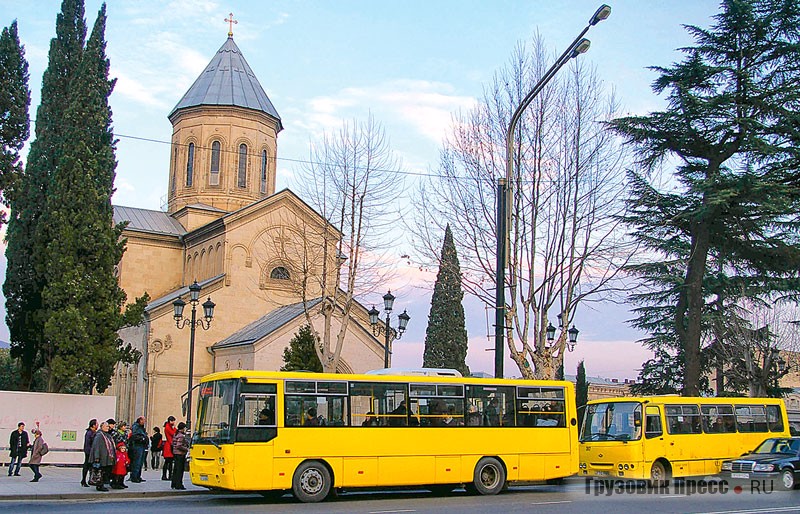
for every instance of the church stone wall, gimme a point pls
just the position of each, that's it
(150, 264)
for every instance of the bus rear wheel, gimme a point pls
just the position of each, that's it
(311, 482)
(489, 477)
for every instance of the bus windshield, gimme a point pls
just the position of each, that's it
(612, 421)
(215, 412)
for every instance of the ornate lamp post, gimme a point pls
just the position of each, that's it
(572, 334)
(579, 45)
(180, 322)
(402, 323)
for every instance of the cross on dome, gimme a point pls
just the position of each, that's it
(231, 23)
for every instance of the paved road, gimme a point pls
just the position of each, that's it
(572, 498)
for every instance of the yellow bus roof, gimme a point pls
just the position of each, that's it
(674, 398)
(303, 375)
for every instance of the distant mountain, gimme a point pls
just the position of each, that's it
(4, 344)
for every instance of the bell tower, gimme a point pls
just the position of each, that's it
(224, 137)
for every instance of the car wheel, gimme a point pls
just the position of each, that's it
(489, 476)
(311, 482)
(787, 480)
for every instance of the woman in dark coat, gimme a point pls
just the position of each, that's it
(88, 438)
(103, 454)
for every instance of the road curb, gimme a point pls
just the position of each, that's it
(98, 495)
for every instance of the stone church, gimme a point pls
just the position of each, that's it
(245, 245)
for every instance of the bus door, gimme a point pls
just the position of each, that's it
(256, 430)
(654, 446)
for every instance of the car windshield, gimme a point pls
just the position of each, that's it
(612, 421)
(779, 445)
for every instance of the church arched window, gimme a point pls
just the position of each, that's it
(264, 171)
(279, 273)
(190, 166)
(174, 168)
(241, 180)
(213, 177)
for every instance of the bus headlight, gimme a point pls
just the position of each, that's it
(727, 466)
(619, 466)
(222, 461)
(764, 467)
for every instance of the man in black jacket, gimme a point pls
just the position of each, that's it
(19, 447)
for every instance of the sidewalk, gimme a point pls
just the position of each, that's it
(59, 483)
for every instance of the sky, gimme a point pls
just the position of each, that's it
(412, 64)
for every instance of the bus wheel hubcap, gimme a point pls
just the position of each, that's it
(311, 481)
(489, 476)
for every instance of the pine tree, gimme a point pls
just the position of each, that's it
(27, 237)
(732, 125)
(83, 299)
(15, 99)
(446, 335)
(581, 392)
(301, 353)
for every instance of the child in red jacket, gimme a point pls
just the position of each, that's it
(120, 468)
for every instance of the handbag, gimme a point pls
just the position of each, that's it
(96, 477)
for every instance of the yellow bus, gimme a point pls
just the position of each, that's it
(660, 437)
(313, 433)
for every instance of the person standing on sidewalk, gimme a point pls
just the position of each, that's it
(88, 439)
(120, 468)
(156, 445)
(138, 442)
(169, 433)
(39, 450)
(180, 447)
(103, 453)
(19, 444)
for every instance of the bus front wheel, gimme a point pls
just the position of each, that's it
(658, 473)
(311, 482)
(489, 476)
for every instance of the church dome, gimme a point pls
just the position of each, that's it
(228, 81)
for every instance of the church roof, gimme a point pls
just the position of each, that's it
(228, 80)
(265, 325)
(145, 220)
(171, 297)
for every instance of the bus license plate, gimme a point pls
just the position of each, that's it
(740, 475)
(204, 478)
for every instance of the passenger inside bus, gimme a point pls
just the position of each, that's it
(371, 421)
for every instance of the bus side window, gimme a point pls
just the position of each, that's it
(653, 426)
(774, 418)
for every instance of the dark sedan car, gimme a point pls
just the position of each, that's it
(775, 458)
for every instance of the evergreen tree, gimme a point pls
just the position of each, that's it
(732, 125)
(446, 335)
(15, 99)
(301, 353)
(26, 237)
(581, 392)
(83, 299)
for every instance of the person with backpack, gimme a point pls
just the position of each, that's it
(38, 451)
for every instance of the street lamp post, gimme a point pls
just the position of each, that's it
(579, 45)
(180, 322)
(402, 323)
(572, 334)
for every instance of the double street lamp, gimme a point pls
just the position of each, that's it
(579, 45)
(402, 323)
(572, 334)
(180, 322)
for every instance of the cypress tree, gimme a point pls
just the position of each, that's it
(15, 99)
(446, 335)
(301, 354)
(27, 237)
(83, 299)
(581, 392)
(732, 126)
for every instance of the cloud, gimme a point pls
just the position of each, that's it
(425, 106)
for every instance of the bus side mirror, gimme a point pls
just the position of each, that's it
(637, 419)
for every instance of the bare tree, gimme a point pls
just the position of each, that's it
(566, 245)
(351, 180)
(750, 347)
